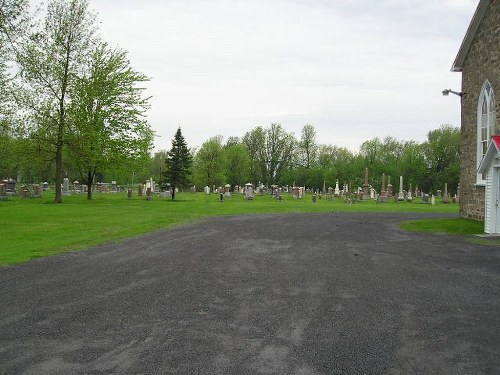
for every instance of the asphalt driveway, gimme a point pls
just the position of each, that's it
(337, 293)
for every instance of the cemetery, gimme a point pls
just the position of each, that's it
(144, 206)
(276, 249)
(149, 188)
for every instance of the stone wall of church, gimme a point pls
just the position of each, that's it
(482, 63)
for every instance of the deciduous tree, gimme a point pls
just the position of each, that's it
(209, 163)
(107, 126)
(308, 145)
(237, 164)
(50, 61)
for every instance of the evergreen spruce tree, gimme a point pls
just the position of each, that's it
(178, 163)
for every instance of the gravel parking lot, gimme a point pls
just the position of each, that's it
(337, 293)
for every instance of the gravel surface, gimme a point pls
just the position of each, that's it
(337, 293)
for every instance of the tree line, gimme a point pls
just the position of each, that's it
(273, 156)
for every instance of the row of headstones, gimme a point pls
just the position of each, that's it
(249, 193)
(77, 188)
(368, 192)
(9, 187)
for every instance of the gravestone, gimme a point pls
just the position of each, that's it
(383, 192)
(65, 186)
(249, 195)
(366, 187)
(140, 190)
(446, 198)
(165, 194)
(298, 192)
(11, 186)
(227, 191)
(409, 198)
(25, 192)
(337, 190)
(401, 196)
(439, 194)
(425, 198)
(129, 193)
(3, 191)
(433, 200)
(274, 190)
(37, 191)
(207, 190)
(149, 193)
(389, 188)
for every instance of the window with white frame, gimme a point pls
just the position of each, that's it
(485, 124)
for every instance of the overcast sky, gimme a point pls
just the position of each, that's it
(355, 69)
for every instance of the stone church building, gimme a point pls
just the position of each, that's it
(479, 61)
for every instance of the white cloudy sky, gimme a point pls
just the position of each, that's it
(355, 69)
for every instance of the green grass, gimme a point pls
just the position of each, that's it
(33, 228)
(486, 241)
(449, 226)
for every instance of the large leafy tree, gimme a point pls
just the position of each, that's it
(50, 61)
(413, 164)
(209, 163)
(442, 151)
(279, 152)
(178, 163)
(237, 163)
(107, 127)
(255, 142)
(308, 146)
(272, 152)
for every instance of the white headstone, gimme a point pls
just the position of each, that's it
(401, 196)
(249, 191)
(65, 186)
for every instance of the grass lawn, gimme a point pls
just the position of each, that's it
(33, 228)
(450, 226)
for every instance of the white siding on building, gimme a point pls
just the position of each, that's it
(488, 222)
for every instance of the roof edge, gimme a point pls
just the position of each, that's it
(458, 64)
(492, 150)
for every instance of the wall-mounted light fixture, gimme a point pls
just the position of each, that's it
(448, 91)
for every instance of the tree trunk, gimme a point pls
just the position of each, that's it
(90, 178)
(59, 162)
(173, 192)
(60, 128)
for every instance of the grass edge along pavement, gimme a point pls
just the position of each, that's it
(449, 226)
(35, 228)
